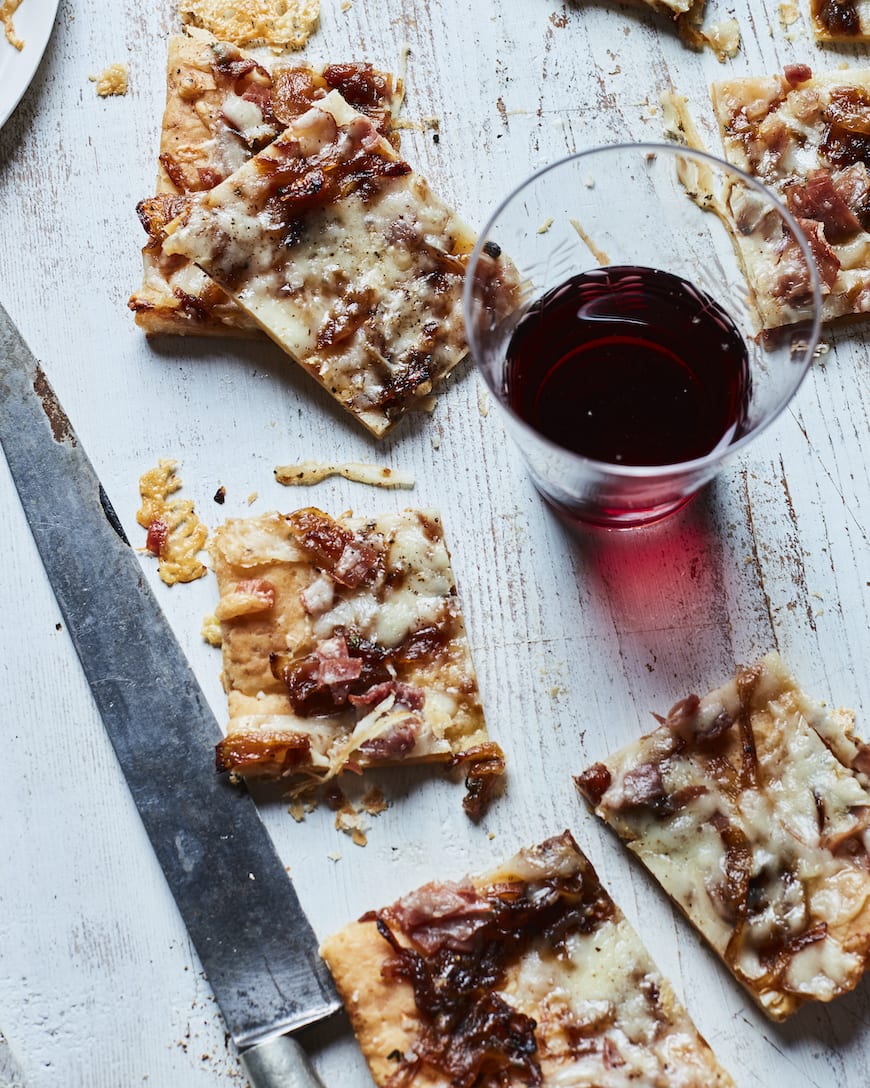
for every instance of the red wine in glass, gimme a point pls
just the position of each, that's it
(632, 366)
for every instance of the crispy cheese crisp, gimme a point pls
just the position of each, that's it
(112, 81)
(7, 10)
(175, 533)
(280, 24)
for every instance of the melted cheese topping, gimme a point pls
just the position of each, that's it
(281, 24)
(111, 81)
(7, 10)
(367, 295)
(785, 826)
(776, 133)
(305, 473)
(604, 1015)
(607, 1018)
(185, 535)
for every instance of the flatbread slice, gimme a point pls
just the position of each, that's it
(222, 106)
(344, 256)
(529, 975)
(840, 20)
(751, 807)
(344, 647)
(806, 138)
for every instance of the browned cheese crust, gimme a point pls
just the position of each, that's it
(806, 138)
(222, 106)
(751, 807)
(344, 647)
(529, 975)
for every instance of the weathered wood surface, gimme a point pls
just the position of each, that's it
(575, 640)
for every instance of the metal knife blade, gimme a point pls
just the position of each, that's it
(240, 908)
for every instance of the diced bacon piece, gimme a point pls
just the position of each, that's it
(158, 534)
(794, 276)
(797, 73)
(322, 682)
(335, 665)
(406, 695)
(333, 548)
(853, 185)
(817, 198)
(442, 915)
(642, 786)
(395, 743)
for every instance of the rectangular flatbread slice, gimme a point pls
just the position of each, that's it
(344, 647)
(840, 20)
(806, 138)
(344, 256)
(751, 807)
(529, 975)
(222, 106)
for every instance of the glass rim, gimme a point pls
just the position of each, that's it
(719, 452)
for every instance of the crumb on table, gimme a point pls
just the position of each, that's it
(111, 81)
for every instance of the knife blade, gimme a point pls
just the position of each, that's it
(256, 946)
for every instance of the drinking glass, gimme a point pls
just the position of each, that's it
(625, 209)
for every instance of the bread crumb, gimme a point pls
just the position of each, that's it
(279, 24)
(111, 81)
(347, 819)
(424, 124)
(305, 473)
(597, 253)
(334, 856)
(436, 440)
(175, 533)
(482, 402)
(7, 10)
(211, 630)
(545, 226)
(374, 802)
(252, 498)
(788, 14)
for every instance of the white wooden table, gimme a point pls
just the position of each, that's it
(575, 640)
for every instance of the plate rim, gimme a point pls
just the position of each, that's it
(35, 46)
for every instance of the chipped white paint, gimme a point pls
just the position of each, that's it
(575, 640)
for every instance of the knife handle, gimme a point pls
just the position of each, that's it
(279, 1063)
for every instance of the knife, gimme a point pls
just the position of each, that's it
(240, 908)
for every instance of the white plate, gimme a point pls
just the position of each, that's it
(33, 25)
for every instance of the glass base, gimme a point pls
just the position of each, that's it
(614, 519)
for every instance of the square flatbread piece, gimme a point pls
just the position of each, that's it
(806, 138)
(751, 807)
(222, 106)
(344, 647)
(529, 975)
(344, 256)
